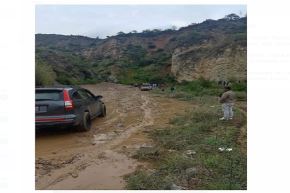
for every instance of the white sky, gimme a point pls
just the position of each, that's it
(107, 20)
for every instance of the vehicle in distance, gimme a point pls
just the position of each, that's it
(145, 87)
(67, 106)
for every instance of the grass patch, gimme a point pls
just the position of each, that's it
(195, 90)
(239, 86)
(200, 87)
(148, 153)
(201, 132)
(141, 180)
(241, 96)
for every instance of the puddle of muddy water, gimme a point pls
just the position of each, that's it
(103, 137)
(55, 143)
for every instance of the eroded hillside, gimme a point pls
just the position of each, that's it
(213, 49)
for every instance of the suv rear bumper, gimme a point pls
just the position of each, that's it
(58, 120)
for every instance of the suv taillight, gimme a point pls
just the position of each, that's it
(68, 103)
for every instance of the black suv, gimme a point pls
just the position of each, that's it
(67, 106)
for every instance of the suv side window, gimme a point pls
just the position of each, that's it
(84, 94)
(76, 95)
(91, 96)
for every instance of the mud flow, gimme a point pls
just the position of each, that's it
(98, 159)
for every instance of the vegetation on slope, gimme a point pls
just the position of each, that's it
(197, 150)
(44, 75)
(78, 59)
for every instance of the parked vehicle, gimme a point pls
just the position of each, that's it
(67, 106)
(145, 87)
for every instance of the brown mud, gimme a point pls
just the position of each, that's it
(98, 159)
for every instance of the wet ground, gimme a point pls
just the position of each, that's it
(98, 159)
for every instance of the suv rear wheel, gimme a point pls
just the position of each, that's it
(86, 122)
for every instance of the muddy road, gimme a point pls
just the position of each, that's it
(98, 159)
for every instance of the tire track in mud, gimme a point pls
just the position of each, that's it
(147, 121)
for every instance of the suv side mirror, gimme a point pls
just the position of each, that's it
(98, 97)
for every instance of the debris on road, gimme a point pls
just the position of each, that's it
(74, 174)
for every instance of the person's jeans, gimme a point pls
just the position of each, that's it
(228, 110)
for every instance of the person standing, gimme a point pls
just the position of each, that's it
(227, 100)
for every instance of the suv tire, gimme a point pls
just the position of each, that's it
(86, 122)
(103, 111)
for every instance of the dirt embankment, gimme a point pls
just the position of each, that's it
(99, 159)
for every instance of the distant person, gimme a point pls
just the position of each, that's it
(227, 100)
(172, 89)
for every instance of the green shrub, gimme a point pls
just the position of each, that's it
(65, 79)
(200, 87)
(241, 96)
(44, 75)
(239, 86)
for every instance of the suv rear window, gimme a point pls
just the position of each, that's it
(53, 95)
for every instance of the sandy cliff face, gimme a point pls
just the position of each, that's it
(196, 62)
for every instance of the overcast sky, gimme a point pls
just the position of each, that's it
(107, 20)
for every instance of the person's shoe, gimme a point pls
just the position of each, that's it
(221, 119)
(231, 118)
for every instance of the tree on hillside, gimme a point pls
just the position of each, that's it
(231, 16)
(146, 31)
(173, 27)
(156, 30)
(120, 33)
(44, 75)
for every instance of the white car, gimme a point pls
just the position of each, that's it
(145, 87)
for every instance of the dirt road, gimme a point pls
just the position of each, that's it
(99, 159)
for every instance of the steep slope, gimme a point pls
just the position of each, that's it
(65, 43)
(213, 49)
